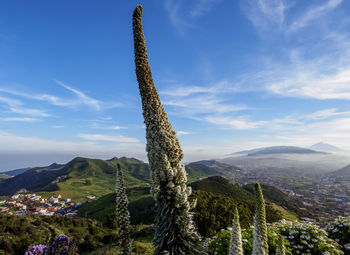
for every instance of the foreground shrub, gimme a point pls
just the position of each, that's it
(220, 244)
(339, 230)
(307, 238)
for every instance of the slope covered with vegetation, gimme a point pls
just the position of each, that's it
(216, 199)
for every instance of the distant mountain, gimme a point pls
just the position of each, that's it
(246, 152)
(325, 147)
(274, 150)
(283, 150)
(16, 171)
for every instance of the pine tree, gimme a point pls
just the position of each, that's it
(123, 216)
(175, 233)
(260, 246)
(236, 247)
(280, 246)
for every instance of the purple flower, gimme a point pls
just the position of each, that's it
(37, 250)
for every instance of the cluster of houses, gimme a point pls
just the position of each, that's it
(28, 204)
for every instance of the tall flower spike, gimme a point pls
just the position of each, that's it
(175, 232)
(281, 250)
(236, 247)
(260, 246)
(123, 216)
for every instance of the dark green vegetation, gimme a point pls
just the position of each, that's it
(18, 232)
(216, 198)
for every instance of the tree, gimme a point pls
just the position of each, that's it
(175, 232)
(123, 216)
(260, 246)
(236, 247)
(280, 246)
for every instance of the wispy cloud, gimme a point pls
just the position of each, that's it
(101, 124)
(19, 119)
(183, 15)
(202, 7)
(15, 106)
(108, 138)
(313, 13)
(271, 14)
(315, 85)
(27, 111)
(265, 13)
(181, 132)
(240, 123)
(82, 97)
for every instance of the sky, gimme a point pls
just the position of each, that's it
(232, 75)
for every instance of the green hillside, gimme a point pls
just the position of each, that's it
(84, 177)
(220, 185)
(79, 178)
(216, 198)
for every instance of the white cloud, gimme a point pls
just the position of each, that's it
(325, 114)
(20, 119)
(239, 123)
(33, 112)
(108, 138)
(101, 124)
(180, 132)
(315, 85)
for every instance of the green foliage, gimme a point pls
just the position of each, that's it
(17, 233)
(339, 230)
(220, 244)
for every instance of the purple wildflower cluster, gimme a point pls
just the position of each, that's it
(61, 246)
(37, 249)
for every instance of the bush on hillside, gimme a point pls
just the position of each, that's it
(220, 243)
(339, 230)
(307, 238)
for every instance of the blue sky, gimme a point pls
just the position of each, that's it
(232, 75)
